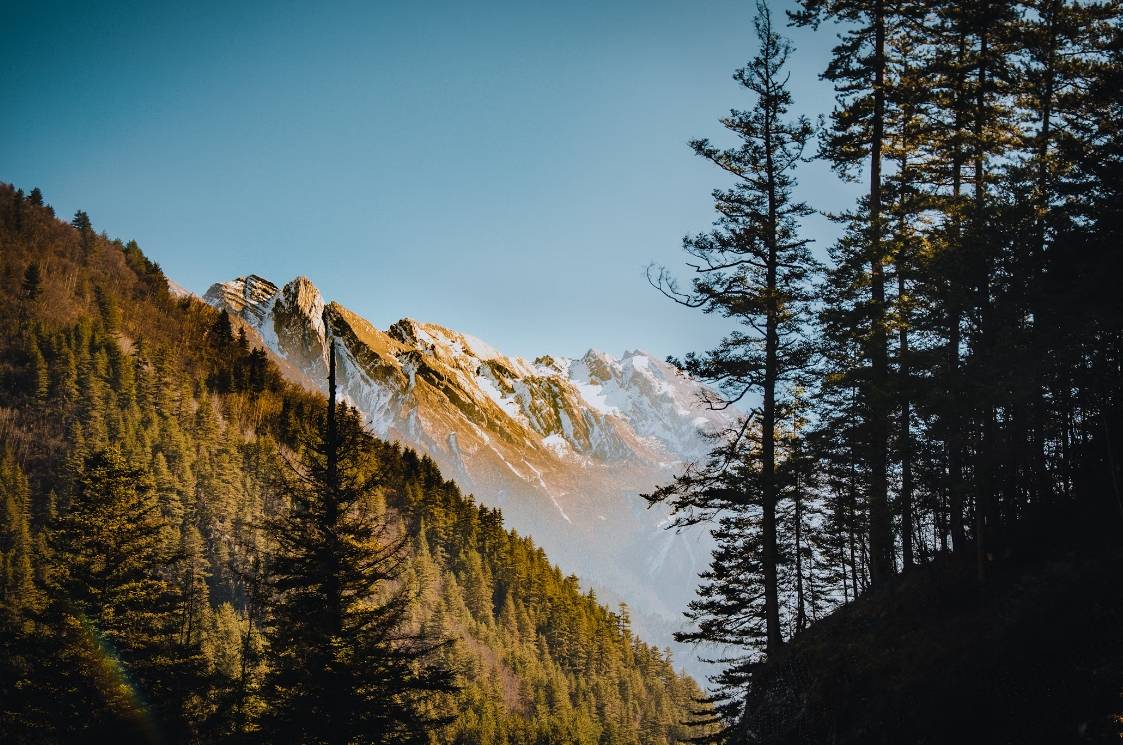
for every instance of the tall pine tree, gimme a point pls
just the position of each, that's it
(753, 268)
(345, 667)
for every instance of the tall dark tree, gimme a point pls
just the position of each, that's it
(222, 331)
(753, 268)
(949, 69)
(860, 70)
(32, 283)
(30, 289)
(85, 228)
(345, 668)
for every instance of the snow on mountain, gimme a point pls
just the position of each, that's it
(178, 291)
(563, 446)
(655, 398)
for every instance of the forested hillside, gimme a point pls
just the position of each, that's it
(148, 552)
(936, 397)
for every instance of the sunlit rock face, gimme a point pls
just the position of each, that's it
(563, 446)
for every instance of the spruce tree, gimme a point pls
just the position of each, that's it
(866, 73)
(754, 267)
(114, 611)
(24, 700)
(859, 68)
(85, 228)
(17, 587)
(344, 667)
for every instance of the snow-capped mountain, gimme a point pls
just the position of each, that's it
(563, 446)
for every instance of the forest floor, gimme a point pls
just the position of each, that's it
(1033, 655)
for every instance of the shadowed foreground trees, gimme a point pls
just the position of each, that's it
(344, 666)
(962, 405)
(753, 268)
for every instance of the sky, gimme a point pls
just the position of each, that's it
(504, 169)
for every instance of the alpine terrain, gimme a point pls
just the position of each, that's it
(563, 446)
(194, 549)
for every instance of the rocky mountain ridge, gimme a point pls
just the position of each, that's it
(563, 446)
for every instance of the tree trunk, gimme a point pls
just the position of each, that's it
(953, 423)
(774, 639)
(984, 500)
(800, 609)
(1041, 489)
(906, 434)
(880, 527)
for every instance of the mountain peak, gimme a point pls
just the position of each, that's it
(562, 445)
(303, 297)
(599, 365)
(405, 331)
(246, 296)
(302, 284)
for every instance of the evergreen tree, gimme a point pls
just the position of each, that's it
(222, 331)
(23, 707)
(753, 267)
(860, 70)
(85, 228)
(32, 283)
(344, 668)
(40, 371)
(17, 586)
(30, 290)
(113, 610)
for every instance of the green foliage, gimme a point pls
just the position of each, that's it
(158, 442)
(343, 666)
(115, 612)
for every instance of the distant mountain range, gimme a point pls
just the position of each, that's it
(563, 446)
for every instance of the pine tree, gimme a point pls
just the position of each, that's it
(753, 268)
(222, 331)
(29, 292)
(113, 610)
(344, 668)
(859, 68)
(865, 69)
(40, 370)
(24, 709)
(18, 592)
(85, 228)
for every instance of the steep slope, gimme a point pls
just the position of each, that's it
(1034, 657)
(562, 446)
(101, 356)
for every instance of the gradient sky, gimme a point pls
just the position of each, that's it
(506, 169)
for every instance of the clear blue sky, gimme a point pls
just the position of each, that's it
(507, 169)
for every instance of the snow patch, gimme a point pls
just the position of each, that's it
(557, 444)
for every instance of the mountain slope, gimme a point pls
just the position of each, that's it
(1034, 657)
(562, 446)
(100, 356)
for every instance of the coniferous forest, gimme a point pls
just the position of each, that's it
(935, 414)
(194, 550)
(918, 519)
